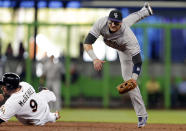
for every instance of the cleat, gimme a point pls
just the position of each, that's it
(142, 121)
(57, 115)
(148, 7)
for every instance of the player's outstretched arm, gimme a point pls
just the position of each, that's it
(90, 39)
(139, 15)
(97, 63)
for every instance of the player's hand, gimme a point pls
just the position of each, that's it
(1, 97)
(4, 90)
(98, 64)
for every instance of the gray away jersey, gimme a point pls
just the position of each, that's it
(124, 39)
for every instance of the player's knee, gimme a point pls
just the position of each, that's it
(52, 96)
(48, 95)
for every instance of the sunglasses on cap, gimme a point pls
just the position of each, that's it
(115, 22)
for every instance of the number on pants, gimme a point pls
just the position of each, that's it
(33, 105)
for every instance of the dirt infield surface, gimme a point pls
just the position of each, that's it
(87, 126)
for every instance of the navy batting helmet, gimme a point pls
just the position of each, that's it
(10, 80)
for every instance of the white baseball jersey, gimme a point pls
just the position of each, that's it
(28, 107)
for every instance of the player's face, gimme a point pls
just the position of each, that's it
(114, 26)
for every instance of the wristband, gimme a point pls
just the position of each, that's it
(92, 54)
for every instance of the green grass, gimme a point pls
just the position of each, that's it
(122, 116)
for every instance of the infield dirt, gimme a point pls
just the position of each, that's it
(91, 126)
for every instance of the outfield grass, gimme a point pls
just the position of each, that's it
(122, 116)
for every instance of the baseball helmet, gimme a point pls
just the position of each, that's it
(10, 80)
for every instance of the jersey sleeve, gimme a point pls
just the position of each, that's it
(9, 109)
(96, 29)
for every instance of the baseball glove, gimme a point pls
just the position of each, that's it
(126, 86)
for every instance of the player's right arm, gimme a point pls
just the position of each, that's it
(90, 39)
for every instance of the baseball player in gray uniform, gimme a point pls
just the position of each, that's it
(117, 34)
(53, 70)
(29, 107)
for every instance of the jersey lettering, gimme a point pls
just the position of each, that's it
(26, 96)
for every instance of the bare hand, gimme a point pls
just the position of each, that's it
(1, 97)
(4, 90)
(98, 64)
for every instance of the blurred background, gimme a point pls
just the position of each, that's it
(33, 31)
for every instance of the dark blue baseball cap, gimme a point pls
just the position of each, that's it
(115, 15)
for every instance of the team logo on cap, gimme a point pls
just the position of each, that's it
(116, 15)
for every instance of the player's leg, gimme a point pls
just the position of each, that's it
(148, 7)
(146, 10)
(135, 95)
(47, 95)
(57, 92)
(52, 117)
(49, 86)
(48, 117)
